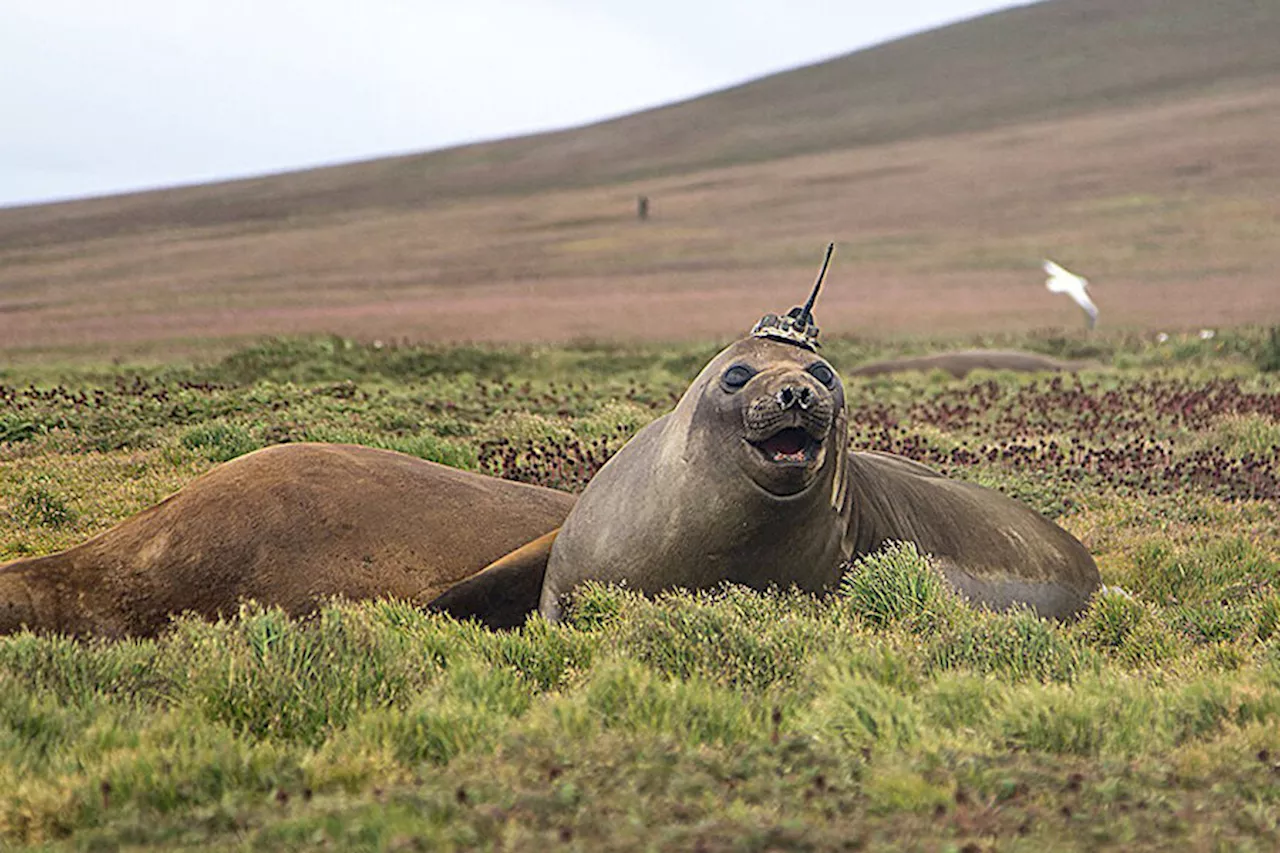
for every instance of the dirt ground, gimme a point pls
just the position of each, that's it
(1172, 211)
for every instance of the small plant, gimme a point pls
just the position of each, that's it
(219, 442)
(39, 505)
(1267, 619)
(425, 446)
(898, 585)
(1016, 646)
(15, 428)
(733, 636)
(1121, 626)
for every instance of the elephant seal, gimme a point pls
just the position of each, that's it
(745, 481)
(749, 480)
(960, 364)
(289, 525)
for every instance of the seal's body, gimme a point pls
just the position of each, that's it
(748, 480)
(995, 551)
(960, 364)
(731, 486)
(289, 525)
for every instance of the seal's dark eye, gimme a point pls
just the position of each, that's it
(823, 374)
(737, 376)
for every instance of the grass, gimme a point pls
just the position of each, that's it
(890, 716)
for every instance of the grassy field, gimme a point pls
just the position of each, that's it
(890, 716)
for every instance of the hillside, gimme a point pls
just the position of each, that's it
(1136, 139)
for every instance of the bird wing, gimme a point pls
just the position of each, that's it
(1053, 269)
(1062, 280)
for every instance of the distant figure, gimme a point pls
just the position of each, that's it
(1061, 281)
(642, 208)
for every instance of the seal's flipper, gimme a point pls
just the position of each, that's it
(505, 592)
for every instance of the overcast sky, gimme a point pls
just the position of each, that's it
(99, 96)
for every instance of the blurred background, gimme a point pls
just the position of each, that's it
(178, 178)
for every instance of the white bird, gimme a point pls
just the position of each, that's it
(1062, 281)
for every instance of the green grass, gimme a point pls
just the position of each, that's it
(889, 716)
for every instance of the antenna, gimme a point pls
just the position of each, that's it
(796, 326)
(806, 313)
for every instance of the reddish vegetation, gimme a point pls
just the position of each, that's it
(565, 464)
(1035, 428)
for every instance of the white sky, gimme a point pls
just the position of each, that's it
(100, 96)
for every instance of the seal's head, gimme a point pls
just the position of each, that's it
(776, 405)
(778, 410)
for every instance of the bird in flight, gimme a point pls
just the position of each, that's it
(1062, 281)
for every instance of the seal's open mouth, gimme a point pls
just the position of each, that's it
(790, 446)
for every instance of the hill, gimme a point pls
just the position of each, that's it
(1134, 140)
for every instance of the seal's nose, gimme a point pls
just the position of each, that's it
(797, 395)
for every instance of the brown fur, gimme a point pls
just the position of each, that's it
(290, 526)
(959, 364)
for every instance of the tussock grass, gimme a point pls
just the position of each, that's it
(309, 360)
(219, 442)
(899, 586)
(730, 636)
(337, 710)
(726, 718)
(424, 446)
